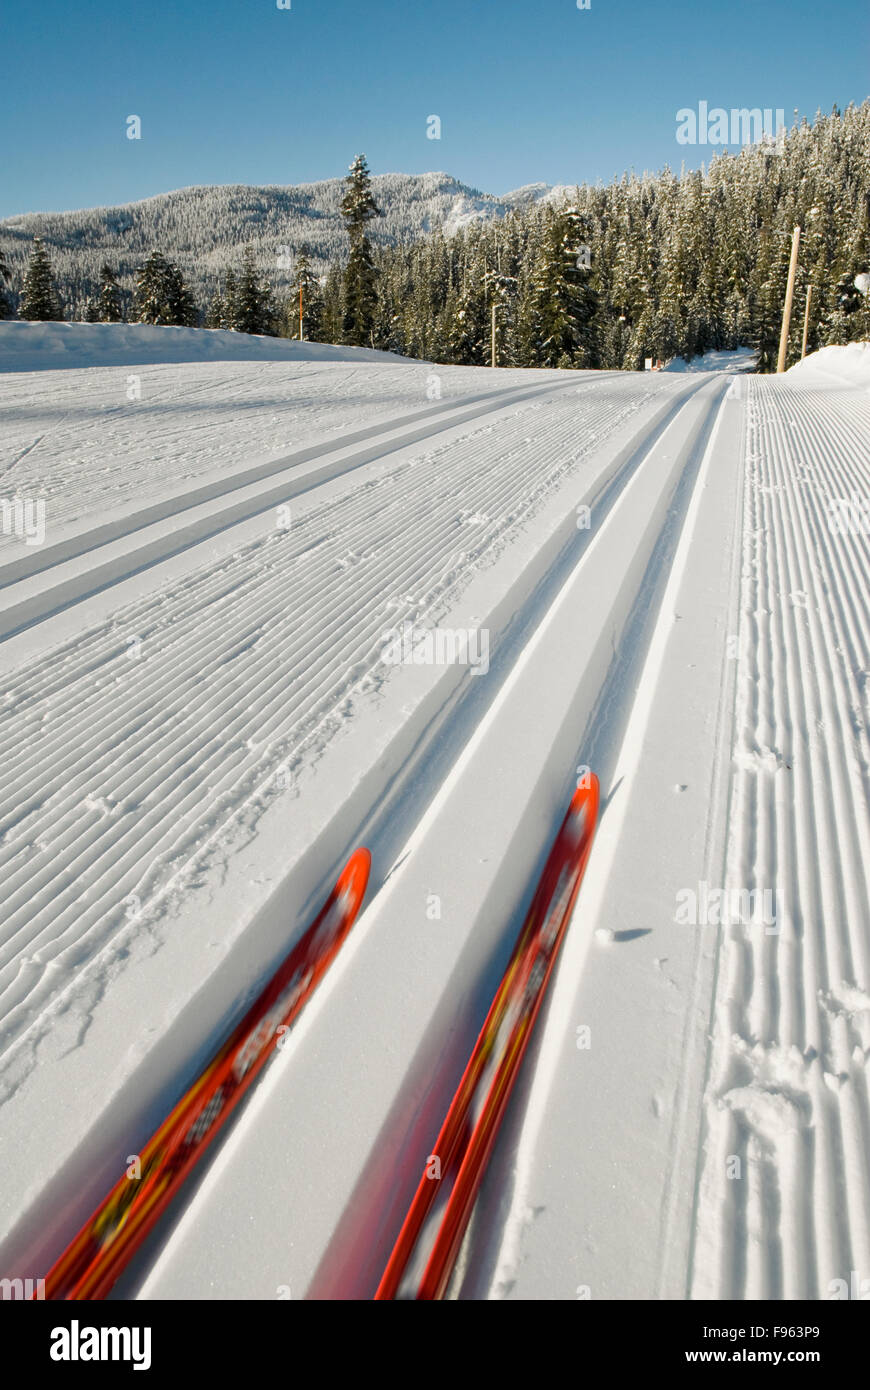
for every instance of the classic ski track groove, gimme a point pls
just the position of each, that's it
(411, 427)
(69, 862)
(140, 468)
(345, 963)
(512, 1182)
(788, 1087)
(250, 663)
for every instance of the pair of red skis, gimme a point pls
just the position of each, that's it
(428, 1243)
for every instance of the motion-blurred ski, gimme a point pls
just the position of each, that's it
(429, 1241)
(106, 1243)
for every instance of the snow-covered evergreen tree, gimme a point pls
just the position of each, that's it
(254, 309)
(109, 303)
(359, 290)
(40, 301)
(332, 318)
(182, 306)
(307, 283)
(7, 310)
(215, 314)
(230, 312)
(465, 342)
(561, 303)
(161, 295)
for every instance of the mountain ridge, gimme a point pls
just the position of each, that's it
(205, 227)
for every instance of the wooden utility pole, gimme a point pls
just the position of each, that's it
(301, 333)
(789, 299)
(806, 322)
(494, 309)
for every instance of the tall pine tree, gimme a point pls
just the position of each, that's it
(254, 310)
(307, 286)
(40, 301)
(109, 302)
(360, 295)
(560, 303)
(7, 310)
(222, 311)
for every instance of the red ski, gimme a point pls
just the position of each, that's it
(107, 1242)
(429, 1241)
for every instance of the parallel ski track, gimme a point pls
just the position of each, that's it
(246, 668)
(788, 1084)
(146, 444)
(80, 491)
(605, 518)
(192, 519)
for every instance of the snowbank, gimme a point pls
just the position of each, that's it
(740, 359)
(29, 347)
(848, 365)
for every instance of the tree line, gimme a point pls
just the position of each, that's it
(653, 266)
(204, 229)
(244, 302)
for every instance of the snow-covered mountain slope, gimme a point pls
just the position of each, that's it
(202, 228)
(197, 720)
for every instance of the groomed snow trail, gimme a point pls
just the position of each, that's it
(784, 1204)
(197, 722)
(86, 443)
(190, 748)
(207, 692)
(473, 854)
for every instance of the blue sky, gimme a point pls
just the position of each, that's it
(239, 91)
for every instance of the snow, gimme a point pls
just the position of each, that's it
(539, 193)
(849, 364)
(197, 724)
(730, 360)
(30, 347)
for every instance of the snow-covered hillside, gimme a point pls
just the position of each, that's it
(198, 721)
(202, 228)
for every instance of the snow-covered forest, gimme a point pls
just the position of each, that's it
(597, 276)
(204, 229)
(676, 265)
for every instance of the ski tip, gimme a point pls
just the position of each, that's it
(582, 815)
(587, 794)
(355, 875)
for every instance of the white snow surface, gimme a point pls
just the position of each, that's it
(28, 347)
(197, 726)
(847, 364)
